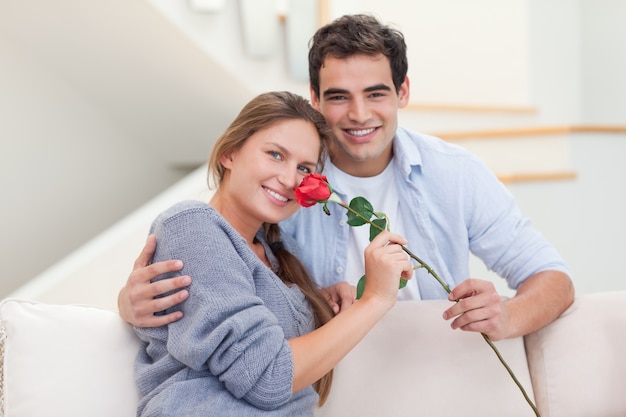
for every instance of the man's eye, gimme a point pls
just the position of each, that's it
(337, 98)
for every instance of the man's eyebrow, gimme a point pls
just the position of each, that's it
(332, 91)
(376, 87)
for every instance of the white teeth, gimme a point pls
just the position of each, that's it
(361, 132)
(276, 195)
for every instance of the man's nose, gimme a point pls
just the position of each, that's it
(358, 111)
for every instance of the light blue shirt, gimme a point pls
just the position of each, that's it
(451, 204)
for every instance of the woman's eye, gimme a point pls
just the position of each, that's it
(304, 169)
(275, 155)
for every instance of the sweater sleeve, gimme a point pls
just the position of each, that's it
(226, 329)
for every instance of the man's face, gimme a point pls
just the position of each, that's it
(359, 101)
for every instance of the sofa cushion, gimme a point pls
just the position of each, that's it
(412, 363)
(66, 361)
(577, 362)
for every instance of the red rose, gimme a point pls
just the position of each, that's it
(313, 189)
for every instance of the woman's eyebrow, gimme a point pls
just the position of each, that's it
(287, 153)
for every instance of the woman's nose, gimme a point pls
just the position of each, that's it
(289, 178)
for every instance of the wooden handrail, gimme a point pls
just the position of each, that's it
(599, 129)
(468, 108)
(536, 176)
(530, 131)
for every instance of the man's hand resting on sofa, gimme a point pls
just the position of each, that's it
(538, 301)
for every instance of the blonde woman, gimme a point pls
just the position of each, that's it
(257, 336)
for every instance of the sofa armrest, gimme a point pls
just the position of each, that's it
(65, 360)
(577, 363)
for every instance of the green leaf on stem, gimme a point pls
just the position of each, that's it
(377, 226)
(360, 286)
(360, 211)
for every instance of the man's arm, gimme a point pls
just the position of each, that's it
(538, 301)
(136, 301)
(137, 304)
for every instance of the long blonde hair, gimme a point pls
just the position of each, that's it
(260, 113)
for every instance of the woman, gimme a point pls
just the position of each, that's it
(257, 337)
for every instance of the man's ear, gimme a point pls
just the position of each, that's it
(315, 100)
(404, 93)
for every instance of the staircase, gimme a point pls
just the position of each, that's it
(195, 62)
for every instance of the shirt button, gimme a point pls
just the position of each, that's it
(342, 223)
(339, 270)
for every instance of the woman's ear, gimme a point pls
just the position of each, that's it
(227, 160)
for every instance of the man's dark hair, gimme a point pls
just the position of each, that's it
(357, 35)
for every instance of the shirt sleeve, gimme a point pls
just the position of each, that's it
(226, 328)
(504, 239)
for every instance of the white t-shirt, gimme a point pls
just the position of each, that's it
(382, 193)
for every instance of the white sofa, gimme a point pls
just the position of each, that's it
(69, 360)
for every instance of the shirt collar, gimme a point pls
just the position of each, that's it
(406, 152)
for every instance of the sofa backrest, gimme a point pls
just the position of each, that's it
(413, 364)
(70, 360)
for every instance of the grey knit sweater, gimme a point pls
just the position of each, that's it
(229, 355)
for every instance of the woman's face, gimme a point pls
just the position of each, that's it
(262, 175)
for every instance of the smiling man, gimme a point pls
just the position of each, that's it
(357, 97)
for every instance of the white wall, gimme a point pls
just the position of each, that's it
(95, 272)
(585, 218)
(102, 105)
(67, 171)
(463, 53)
(604, 66)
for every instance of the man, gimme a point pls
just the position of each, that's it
(443, 199)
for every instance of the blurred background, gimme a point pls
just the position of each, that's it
(108, 111)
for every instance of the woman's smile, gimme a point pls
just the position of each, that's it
(276, 195)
